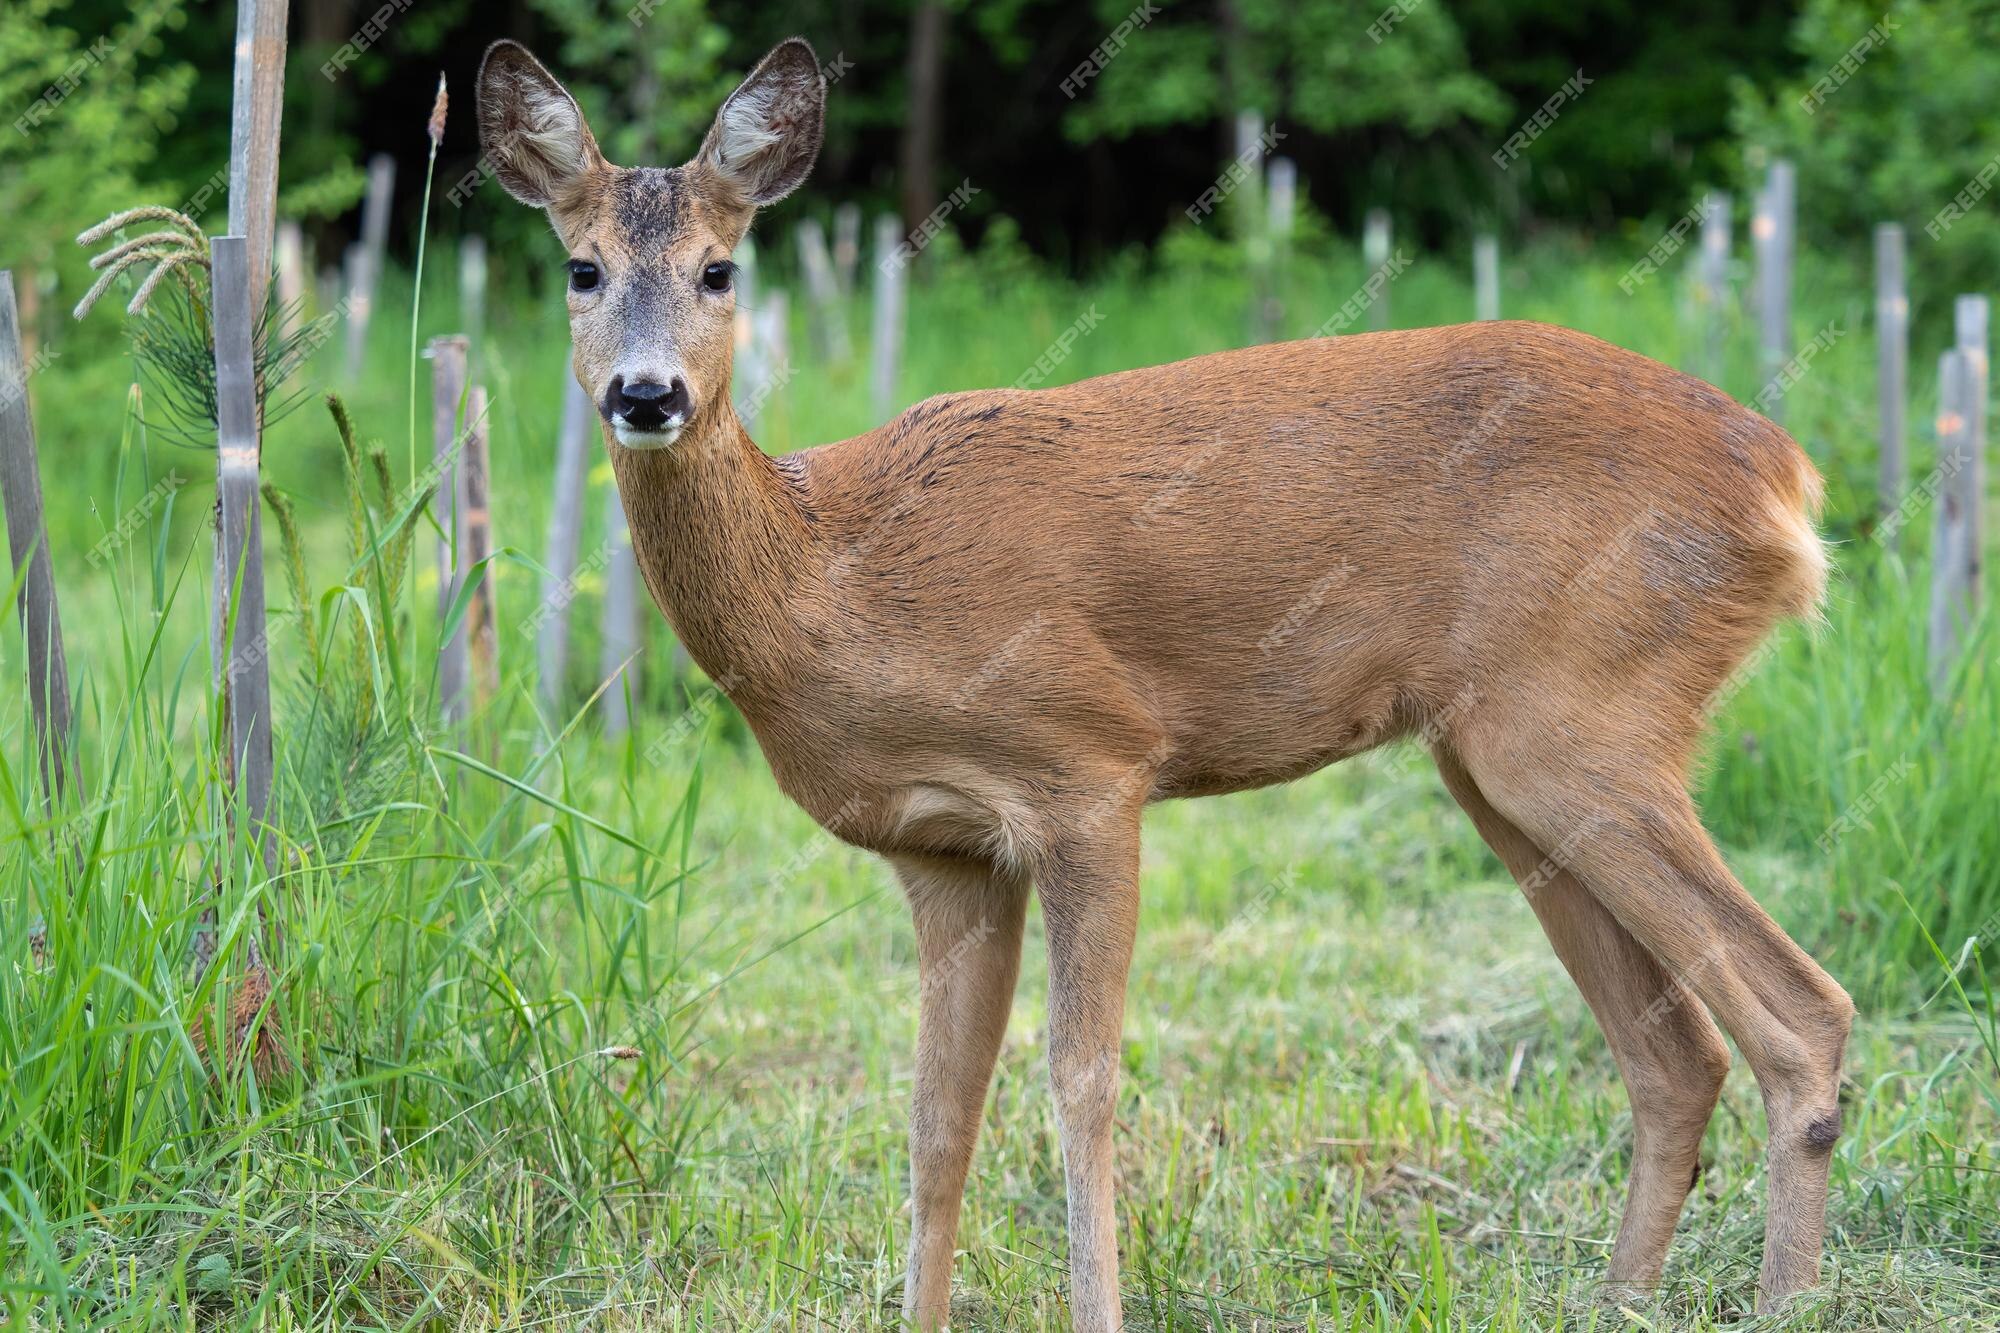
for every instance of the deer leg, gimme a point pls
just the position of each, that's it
(968, 919)
(1090, 904)
(1671, 1057)
(1631, 835)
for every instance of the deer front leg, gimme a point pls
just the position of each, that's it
(968, 918)
(1090, 906)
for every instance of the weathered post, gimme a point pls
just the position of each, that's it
(1375, 242)
(621, 618)
(846, 245)
(448, 371)
(829, 318)
(1953, 557)
(472, 290)
(565, 537)
(257, 105)
(1715, 278)
(27, 543)
(1485, 277)
(1892, 357)
(1776, 221)
(1281, 194)
(480, 624)
(749, 368)
(239, 643)
(886, 329)
(291, 255)
(1969, 315)
(365, 261)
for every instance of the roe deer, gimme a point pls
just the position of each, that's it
(979, 639)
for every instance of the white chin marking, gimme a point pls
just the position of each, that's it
(645, 439)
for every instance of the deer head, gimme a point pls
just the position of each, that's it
(652, 290)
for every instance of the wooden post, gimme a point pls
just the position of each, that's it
(846, 245)
(621, 617)
(472, 290)
(1952, 554)
(365, 262)
(27, 542)
(1715, 279)
(829, 317)
(479, 618)
(886, 328)
(749, 368)
(1281, 194)
(1486, 277)
(448, 356)
(1970, 318)
(1375, 238)
(255, 119)
(1776, 220)
(291, 259)
(1892, 358)
(565, 537)
(239, 643)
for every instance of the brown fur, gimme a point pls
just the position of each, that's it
(981, 638)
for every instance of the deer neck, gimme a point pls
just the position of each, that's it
(721, 534)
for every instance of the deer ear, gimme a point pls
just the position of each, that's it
(530, 128)
(767, 133)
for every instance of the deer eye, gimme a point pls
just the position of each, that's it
(716, 276)
(582, 275)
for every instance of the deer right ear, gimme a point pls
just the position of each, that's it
(530, 128)
(766, 136)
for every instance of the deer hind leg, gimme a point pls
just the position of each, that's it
(1668, 1049)
(1624, 825)
(968, 918)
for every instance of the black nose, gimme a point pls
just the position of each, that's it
(646, 406)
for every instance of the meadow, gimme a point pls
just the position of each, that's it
(581, 1031)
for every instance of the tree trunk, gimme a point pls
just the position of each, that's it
(925, 117)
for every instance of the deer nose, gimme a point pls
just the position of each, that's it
(648, 406)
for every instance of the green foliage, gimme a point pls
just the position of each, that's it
(86, 109)
(1897, 132)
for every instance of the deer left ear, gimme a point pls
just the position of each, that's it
(767, 134)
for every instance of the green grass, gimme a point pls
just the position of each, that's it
(1359, 1091)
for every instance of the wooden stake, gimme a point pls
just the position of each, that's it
(1952, 554)
(1776, 222)
(829, 317)
(1715, 224)
(565, 537)
(365, 261)
(291, 260)
(27, 543)
(1375, 238)
(886, 328)
(448, 356)
(255, 119)
(1486, 277)
(479, 617)
(621, 617)
(846, 245)
(472, 289)
(1970, 318)
(238, 637)
(1892, 357)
